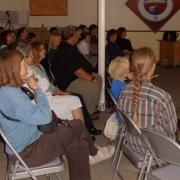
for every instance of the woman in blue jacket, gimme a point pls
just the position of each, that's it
(19, 118)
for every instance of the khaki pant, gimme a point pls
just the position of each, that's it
(89, 90)
(72, 141)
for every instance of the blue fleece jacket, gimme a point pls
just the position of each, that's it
(19, 117)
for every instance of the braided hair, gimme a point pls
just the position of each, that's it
(143, 60)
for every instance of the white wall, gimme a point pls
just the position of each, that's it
(85, 12)
(79, 11)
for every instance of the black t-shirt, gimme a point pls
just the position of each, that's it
(66, 61)
(125, 44)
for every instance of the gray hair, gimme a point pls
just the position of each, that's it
(69, 31)
(24, 48)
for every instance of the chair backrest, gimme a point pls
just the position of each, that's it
(112, 98)
(130, 126)
(16, 154)
(163, 147)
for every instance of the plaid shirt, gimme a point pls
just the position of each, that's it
(155, 110)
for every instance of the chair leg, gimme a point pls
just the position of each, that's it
(148, 167)
(118, 148)
(58, 176)
(143, 166)
(117, 166)
(48, 177)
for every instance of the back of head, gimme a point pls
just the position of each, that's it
(69, 31)
(10, 64)
(143, 64)
(118, 68)
(143, 60)
(20, 31)
(110, 33)
(92, 27)
(120, 32)
(24, 48)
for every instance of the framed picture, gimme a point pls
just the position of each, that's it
(48, 7)
(154, 13)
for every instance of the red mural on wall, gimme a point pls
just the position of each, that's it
(155, 13)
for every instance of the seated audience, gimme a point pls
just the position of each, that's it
(84, 48)
(21, 36)
(19, 119)
(123, 42)
(112, 48)
(31, 37)
(83, 28)
(146, 104)
(7, 39)
(54, 41)
(73, 73)
(93, 30)
(66, 106)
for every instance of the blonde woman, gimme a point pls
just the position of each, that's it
(146, 104)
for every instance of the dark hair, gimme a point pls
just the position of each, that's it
(20, 31)
(53, 29)
(82, 27)
(84, 35)
(31, 35)
(120, 31)
(4, 35)
(92, 27)
(110, 33)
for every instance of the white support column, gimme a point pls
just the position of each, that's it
(101, 49)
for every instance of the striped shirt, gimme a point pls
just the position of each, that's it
(155, 110)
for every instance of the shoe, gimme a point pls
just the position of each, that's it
(103, 153)
(94, 131)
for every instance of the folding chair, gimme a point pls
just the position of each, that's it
(164, 149)
(140, 161)
(120, 135)
(20, 170)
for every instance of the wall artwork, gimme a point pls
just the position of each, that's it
(154, 13)
(48, 7)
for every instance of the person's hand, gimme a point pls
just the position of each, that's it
(96, 80)
(32, 82)
(59, 92)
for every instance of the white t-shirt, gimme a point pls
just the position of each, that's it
(84, 47)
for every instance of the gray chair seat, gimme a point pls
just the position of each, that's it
(136, 158)
(56, 165)
(169, 172)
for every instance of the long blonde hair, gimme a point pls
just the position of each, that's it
(143, 60)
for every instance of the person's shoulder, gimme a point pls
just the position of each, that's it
(9, 91)
(157, 92)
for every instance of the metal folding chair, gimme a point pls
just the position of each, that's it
(120, 135)
(138, 160)
(162, 148)
(20, 170)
